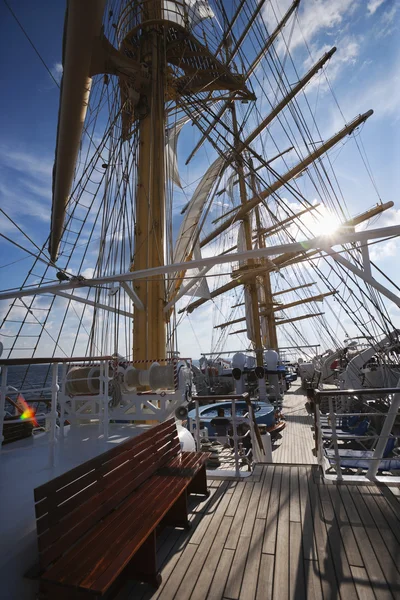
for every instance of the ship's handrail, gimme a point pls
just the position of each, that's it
(14, 362)
(56, 383)
(334, 415)
(235, 437)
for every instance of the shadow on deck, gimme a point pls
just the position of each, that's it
(283, 534)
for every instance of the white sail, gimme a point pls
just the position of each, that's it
(200, 289)
(187, 233)
(198, 10)
(171, 142)
(192, 11)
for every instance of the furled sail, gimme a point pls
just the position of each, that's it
(170, 150)
(188, 230)
(193, 11)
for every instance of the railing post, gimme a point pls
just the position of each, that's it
(254, 442)
(4, 372)
(318, 434)
(196, 403)
(385, 434)
(235, 439)
(53, 414)
(104, 387)
(62, 399)
(332, 416)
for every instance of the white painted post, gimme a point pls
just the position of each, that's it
(105, 379)
(53, 414)
(235, 439)
(258, 458)
(4, 371)
(62, 399)
(196, 402)
(335, 440)
(266, 440)
(385, 434)
(318, 433)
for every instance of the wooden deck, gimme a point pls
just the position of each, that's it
(282, 535)
(296, 442)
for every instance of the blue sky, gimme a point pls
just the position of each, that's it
(364, 73)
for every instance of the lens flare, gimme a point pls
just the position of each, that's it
(27, 411)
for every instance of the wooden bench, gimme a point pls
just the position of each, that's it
(97, 524)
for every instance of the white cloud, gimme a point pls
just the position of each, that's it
(384, 250)
(346, 55)
(386, 23)
(88, 273)
(313, 17)
(373, 6)
(27, 163)
(57, 71)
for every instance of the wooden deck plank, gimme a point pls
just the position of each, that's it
(375, 539)
(312, 581)
(247, 536)
(201, 528)
(171, 583)
(325, 560)
(266, 577)
(216, 532)
(297, 590)
(392, 499)
(337, 526)
(250, 577)
(296, 442)
(385, 530)
(346, 531)
(234, 501)
(221, 575)
(385, 509)
(309, 548)
(240, 515)
(281, 573)
(208, 568)
(294, 495)
(262, 510)
(271, 525)
(362, 583)
(376, 576)
(341, 565)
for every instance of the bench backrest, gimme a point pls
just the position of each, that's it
(68, 506)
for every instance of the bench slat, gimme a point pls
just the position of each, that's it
(77, 491)
(62, 480)
(92, 520)
(131, 529)
(79, 518)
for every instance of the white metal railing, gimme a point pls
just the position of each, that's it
(58, 407)
(239, 453)
(330, 435)
(98, 402)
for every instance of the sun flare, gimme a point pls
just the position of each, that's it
(326, 223)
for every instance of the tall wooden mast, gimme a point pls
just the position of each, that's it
(252, 285)
(149, 335)
(171, 65)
